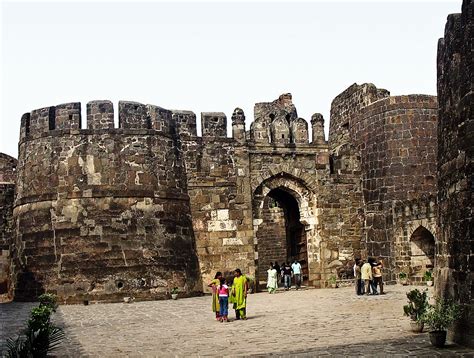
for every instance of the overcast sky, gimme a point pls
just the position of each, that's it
(212, 56)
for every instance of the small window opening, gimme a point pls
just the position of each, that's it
(283, 136)
(272, 116)
(70, 117)
(52, 118)
(331, 165)
(120, 285)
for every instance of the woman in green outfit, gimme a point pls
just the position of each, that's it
(239, 294)
(215, 295)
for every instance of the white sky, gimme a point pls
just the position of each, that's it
(212, 56)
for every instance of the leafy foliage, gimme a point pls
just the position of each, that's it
(332, 280)
(174, 290)
(402, 275)
(40, 336)
(417, 304)
(428, 276)
(441, 315)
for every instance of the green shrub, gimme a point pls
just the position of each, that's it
(417, 304)
(441, 315)
(428, 276)
(49, 300)
(40, 336)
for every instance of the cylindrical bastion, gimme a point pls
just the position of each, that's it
(102, 213)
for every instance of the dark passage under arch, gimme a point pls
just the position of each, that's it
(281, 236)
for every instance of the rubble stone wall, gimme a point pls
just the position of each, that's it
(102, 213)
(390, 144)
(410, 217)
(7, 187)
(455, 261)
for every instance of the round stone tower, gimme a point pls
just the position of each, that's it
(102, 213)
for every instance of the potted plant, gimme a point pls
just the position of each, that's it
(439, 317)
(403, 278)
(416, 307)
(333, 281)
(428, 277)
(174, 293)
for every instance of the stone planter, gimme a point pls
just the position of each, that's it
(174, 296)
(417, 327)
(438, 338)
(429, 283)
(404, 282)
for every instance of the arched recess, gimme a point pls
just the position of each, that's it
(284, 223)
(422, 252)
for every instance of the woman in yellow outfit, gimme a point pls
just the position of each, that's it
(239, 294)
(214, 284)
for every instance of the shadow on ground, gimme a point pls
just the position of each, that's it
(416, 346)
(14, 317)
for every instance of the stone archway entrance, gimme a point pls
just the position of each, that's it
(283, 224)
(280, 237)
(422, 253)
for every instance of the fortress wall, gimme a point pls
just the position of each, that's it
(389, 143)
(455, 260)
(102, 213)
(7, 187)
(218, 187)
(396, 137)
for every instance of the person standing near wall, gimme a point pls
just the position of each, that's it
(239, 294)
(366, 276)
(214, 285)
(296, 267)
(357, 277)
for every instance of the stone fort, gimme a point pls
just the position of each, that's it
(103, 212)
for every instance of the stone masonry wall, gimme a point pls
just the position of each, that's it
(409, 218)
(218, 187)
(455, 256)
(102, 213)
(393, 141)
(7, 188)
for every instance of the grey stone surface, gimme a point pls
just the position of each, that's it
(307, 323)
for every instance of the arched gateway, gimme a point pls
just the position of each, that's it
(283, 213)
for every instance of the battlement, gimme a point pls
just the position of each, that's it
(100, 116)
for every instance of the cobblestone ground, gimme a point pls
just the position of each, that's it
(312, 322)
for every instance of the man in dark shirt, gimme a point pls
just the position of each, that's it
(286, 270)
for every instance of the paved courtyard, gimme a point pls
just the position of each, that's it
(312, 322)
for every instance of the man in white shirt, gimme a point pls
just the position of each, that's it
(296, 267)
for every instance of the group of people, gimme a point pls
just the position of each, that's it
(283, 274)
(368, 276)
(222, 295)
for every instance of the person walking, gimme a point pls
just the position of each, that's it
(366, 276)
(296, 267)
(278, 270)
(286, 272)
(214, 285)
(239, 294)
(223, 292)
(272, 279)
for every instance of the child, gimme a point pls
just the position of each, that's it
(223, 292)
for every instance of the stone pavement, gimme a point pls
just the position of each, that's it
(306, 323)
